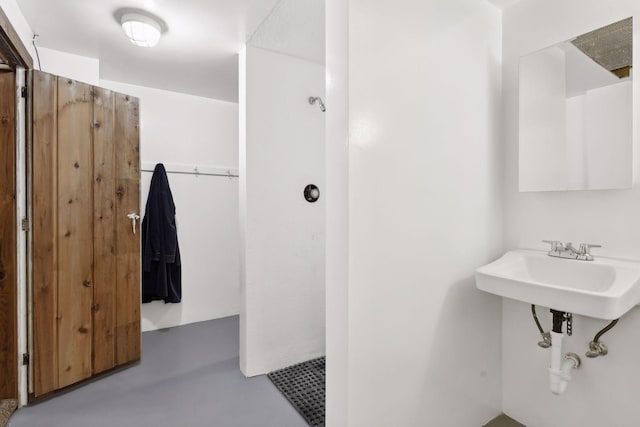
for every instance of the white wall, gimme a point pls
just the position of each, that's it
(602, 391)
(337, 212)
(282, 319)
(425, 210)
(185, 129)
(68, 65)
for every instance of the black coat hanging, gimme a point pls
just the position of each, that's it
(161, 269)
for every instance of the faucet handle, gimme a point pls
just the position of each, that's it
(585, 248)
(569, 246)
(555, 245)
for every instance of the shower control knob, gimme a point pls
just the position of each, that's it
(311, 193)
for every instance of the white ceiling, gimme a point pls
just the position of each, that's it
(296, 28)
(197, 55)
(503, 3)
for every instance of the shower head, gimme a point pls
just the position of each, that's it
(314, 99)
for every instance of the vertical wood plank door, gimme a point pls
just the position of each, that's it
(86, 257)
(127, 138)
(75, 231)
(44, 233)
(104, 238)
(8, 276)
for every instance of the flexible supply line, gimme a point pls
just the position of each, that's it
(546, 337)
(597, 348)
(535, 317)
(605, 330)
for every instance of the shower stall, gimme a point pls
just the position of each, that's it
(282, 209)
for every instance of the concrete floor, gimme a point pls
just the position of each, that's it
(504, 421)
(188, 377)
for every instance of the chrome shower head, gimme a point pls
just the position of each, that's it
(314, 99)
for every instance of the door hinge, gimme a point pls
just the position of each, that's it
(25, 359)
(25, 224)
(24, 91)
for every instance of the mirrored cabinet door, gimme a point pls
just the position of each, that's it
(576, 113)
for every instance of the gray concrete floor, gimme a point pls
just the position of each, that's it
(188, 377)
(504, 421)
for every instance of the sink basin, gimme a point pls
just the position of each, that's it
(605, 288)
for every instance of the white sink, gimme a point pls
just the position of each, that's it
(605, 288)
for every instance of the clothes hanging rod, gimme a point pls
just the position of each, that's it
(196, 170)
(197, 173)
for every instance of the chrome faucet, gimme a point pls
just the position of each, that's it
(567, 250)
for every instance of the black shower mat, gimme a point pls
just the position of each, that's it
(304, 386)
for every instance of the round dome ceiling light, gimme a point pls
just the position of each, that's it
(141, 30)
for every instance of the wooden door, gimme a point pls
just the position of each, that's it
(128, 263)
(74, 231)
(8, 276)
(86, 265)
(44, 234)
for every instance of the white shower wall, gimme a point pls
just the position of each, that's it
(282, 319)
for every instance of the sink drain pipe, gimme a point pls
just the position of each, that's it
(561, 366)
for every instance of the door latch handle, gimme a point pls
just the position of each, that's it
(134, 217)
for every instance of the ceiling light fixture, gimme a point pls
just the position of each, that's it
(141, 30)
